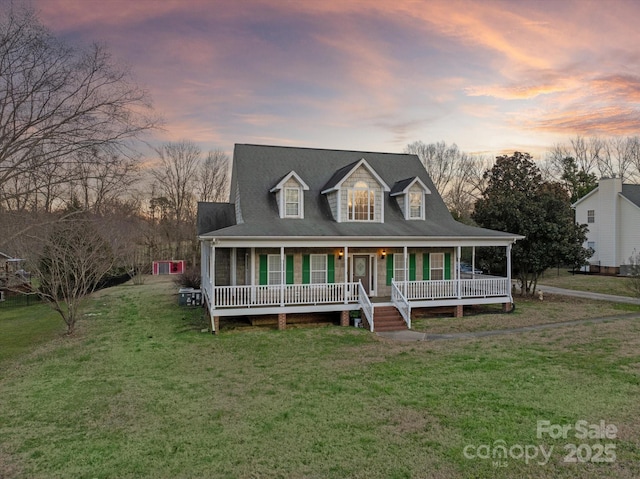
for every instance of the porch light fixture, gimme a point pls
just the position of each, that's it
(340, 254)
(383, 254)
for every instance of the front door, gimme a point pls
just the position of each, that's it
(362, 271)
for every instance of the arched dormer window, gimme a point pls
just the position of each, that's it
(361, 202)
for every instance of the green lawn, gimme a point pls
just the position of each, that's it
(586, 282)
(139, 391)
(23, 327)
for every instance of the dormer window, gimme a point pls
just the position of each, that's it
(356, 193)
(416, 200)
(290, 196)
(361, 202)
(410, 195)
(292, 202)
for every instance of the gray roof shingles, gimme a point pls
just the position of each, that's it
(257, 168)
(632, 193)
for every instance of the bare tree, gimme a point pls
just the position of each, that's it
(74, 257)
(57, 101)
(466, 185)
(213, 178)
(177, 176)
(457, 176)
(438, 159)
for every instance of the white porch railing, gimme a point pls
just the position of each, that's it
(403, 292)
(401, 303)
(290, 294)
(366, 305)
(447, 289)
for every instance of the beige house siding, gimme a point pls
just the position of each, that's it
(361, 174)
(332, 198)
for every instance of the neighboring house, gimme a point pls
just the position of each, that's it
(312, 230)
(12, 277)
(612, 213)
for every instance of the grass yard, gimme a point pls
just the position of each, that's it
(562, 278)
(139, 391)
(23, 327)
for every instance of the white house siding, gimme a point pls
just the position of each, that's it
(593, 235)
(629, 242)
(607, 217)
(586, 204)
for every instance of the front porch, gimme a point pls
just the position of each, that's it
(344, 297)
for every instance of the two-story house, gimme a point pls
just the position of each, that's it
(612, 214)
(311, 230)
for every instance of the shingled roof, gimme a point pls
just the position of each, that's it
(257, 168)
(632, 193)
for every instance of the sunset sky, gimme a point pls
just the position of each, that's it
(491, 76)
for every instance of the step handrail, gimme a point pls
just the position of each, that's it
(365, 304)
(401, 303)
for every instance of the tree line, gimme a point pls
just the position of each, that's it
(76, 200)
(78, 203)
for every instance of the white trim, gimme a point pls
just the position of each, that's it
(628, 200)
(291, 174)
(416, 179)
(372, 287)
(364, 242)
(364, 163)
(407, 207)
(588, 195)
(283, 193)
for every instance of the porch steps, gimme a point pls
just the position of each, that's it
(388, 318)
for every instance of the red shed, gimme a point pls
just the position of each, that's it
(168, 267)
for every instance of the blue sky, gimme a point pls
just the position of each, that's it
(491, 76)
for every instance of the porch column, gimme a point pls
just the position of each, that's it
(252, 269)
(406, 271)
(473, 260)
(282, 275)
(345, 259)
(203, 263)
(215, 321)
(509, 271)
(458, 257)
(212, 272)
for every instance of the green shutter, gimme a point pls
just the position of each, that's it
(306, 269)
(389, 268)
(426, 272)
(447, 266)
(331, 268)
(289, 269)
(412, 267)
(263, 269)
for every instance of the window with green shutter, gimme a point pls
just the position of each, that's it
(270, 269)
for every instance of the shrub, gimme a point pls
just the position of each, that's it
(189, 279)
